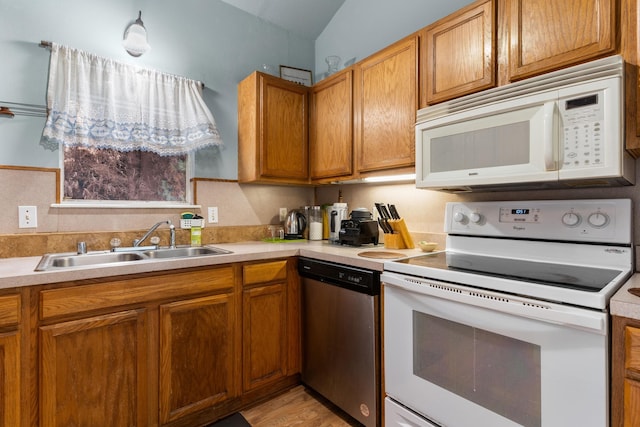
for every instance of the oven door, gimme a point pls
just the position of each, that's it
(462, 356)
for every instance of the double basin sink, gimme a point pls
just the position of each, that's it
(67, 260)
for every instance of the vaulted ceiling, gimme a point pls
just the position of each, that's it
(306, 18)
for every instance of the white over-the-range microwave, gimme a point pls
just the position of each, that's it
(562, 129)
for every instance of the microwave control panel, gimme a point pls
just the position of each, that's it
(583, 120)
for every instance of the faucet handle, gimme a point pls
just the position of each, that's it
(82, 248)
(115, 242)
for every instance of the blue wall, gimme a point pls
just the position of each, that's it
(362, 27)
(205, 40)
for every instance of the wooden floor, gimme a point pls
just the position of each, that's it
(297, 407)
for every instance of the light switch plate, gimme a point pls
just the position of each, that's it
(27, 217)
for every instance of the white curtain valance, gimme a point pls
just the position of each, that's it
(98, 102)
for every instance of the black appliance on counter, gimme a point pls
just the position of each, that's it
(359, 229)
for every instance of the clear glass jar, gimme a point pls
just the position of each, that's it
(315, 223)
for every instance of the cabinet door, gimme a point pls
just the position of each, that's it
(10, 381)
(631, 403)
(459, 53)
(331, 127)
(386, 101)
(93, 372)
(273, 140)
(264, 335)
(546, 35)
(197, 355)
(10, 388)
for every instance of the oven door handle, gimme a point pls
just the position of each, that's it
(590, 320)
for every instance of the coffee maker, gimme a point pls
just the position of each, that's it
(359, 229)
(337, 213)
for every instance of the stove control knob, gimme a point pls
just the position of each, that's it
(475, 217)
(459, 217)
(571, 219)
(598, 219)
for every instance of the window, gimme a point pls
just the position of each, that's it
(127, 134)
(108, 174)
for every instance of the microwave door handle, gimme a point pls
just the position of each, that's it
(549, 136)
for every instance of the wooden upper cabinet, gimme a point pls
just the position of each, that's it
(272, 130)
(386, 101)
(458, 53)
(331, 127)
(546, 35)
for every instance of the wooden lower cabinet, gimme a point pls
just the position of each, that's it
(94, 371)
(625, 372)
(10, 363)
(270, 323)
(161, 349)
(198, 361)
(264, 335)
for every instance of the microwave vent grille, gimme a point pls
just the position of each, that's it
(612, 66)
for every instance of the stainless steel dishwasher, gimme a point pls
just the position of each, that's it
(341, 336)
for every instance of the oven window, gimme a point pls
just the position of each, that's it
(499, 373)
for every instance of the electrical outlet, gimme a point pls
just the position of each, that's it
(213, 215)
(27, 217)
(283, 214)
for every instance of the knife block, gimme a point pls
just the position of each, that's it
(400, 239)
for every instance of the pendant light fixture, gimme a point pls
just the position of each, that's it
(135, 38)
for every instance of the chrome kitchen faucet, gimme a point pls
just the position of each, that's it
(172, 231)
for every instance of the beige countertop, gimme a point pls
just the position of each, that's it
(17, 272)
(624, 303)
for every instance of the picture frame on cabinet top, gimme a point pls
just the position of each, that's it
(296, 75)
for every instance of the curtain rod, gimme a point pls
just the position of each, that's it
(47, 45)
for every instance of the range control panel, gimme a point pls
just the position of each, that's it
(597, 220)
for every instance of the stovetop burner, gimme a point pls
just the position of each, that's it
(583, 278)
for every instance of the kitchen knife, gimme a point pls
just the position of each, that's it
(394, 212)
(386, 213)
(383, 225)
(384, 216)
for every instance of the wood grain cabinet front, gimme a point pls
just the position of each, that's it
(270, 323)
(331, 127)
(273, 130)
(625, 372)
(11, 388)
(548, 35)
(458, 53)
(94, 371)
(386, 101)
(156, 349)
(198, 358)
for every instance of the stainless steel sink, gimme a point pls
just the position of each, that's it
(70, 260)
(74, 260)
(185, 252)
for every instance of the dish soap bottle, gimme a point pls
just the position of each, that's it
(196, 231)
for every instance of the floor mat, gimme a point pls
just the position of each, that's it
(235, 420)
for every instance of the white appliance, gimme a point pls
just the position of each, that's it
(564, 128)
(509, 326)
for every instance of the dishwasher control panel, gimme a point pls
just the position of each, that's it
(346, 276)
